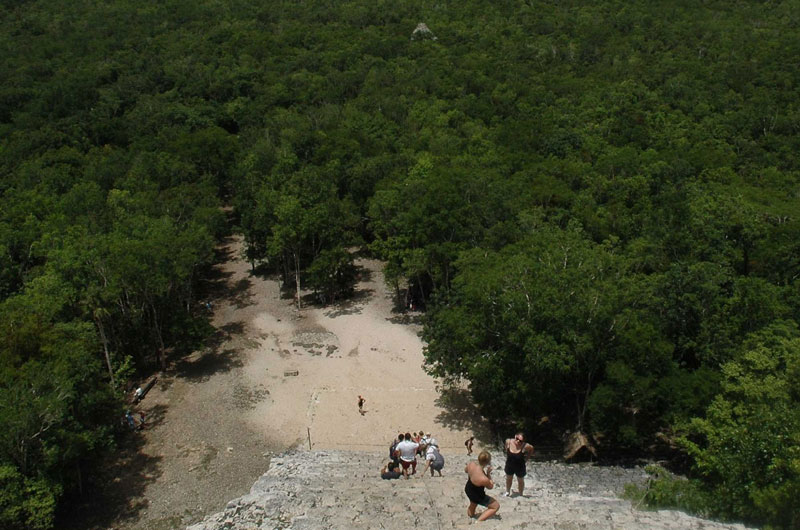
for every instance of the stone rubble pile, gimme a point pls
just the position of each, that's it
(339, 489)
(422, 32)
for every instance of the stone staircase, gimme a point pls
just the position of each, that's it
(337, 489)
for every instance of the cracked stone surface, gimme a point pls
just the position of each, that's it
(340, 489)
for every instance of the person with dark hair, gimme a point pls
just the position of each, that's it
(393, 447)
(390, 472)
(361, 402)
(407, 451)
(517, 454)
(468, 444)
(479, 478)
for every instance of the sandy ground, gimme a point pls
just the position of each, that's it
(274, 377)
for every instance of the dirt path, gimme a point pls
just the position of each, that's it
(273, 376)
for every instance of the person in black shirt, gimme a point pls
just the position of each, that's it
(390, 472)
(517, 453)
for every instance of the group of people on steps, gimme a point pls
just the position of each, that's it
(479, 472)
(403, 454)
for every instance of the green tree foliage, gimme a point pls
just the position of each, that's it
(747, 448)
(56, 409)
(651, 149)
(24, 502)
(535, 324)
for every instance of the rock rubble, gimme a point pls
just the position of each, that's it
(338, 489)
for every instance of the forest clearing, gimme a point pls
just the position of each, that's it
(589, 209)
(217, 415)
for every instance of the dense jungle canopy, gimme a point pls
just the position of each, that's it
(595, 202)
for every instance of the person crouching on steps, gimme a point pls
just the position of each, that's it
(433, 459)
(390, 472)
(407, 451)
(480, 477)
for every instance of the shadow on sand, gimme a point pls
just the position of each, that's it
(239, 294)
(116, 495)
(201, 367)
(352, 305)
(399, 317)
(461, 414)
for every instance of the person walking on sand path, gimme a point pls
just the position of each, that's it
(361, 402)
(468, 445)
(479, 478)
(517, 454)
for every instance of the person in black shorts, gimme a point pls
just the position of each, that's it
(517, 453)
(480, 478)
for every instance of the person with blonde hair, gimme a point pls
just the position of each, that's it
(479, 478)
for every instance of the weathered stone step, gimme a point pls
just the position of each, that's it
(343, 490)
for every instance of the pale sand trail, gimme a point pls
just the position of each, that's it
(217, 414)
(339, 353)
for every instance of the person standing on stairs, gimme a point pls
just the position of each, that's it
(407, 451)
(479, 478)
(517, 454)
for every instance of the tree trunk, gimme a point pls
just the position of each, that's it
(162, 358)
(297, 277)
(104, 339)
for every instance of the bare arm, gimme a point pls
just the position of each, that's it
(427, 465)
(478, 477)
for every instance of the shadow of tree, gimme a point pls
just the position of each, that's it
(114, 497)
(239, 294)
(214, 282)
(232, 328)
(352, 305)
(155, 416)
(405, 318)
(460, 413)
(208, 363)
